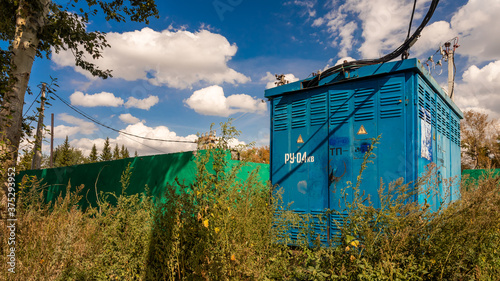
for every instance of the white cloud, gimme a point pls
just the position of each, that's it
(479, 89)
(211, 101)
(85, 145)
(384, 24)
(433, 36)
(232, 143)
(347, 35)
(129, 118)
(109, 99)
(100, 99)
(270, 79)
(81, 126)
(477, 23)
(145, 104)
(307, 6)
(175, 58)
(473, 23)
(61, 131)
(245, 103)
(143, 147)
(341, 61)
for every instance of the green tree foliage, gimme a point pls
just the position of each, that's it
(256, 154)
(25, 160)
(480, 141)
(222, 228)
(116, 153)
(106, 154)
(35, 28)
(93, 156)
(215, 207)
(63, 154)
(124, 152)
(66, 155)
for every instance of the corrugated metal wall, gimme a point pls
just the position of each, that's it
(319, 136)
(155, 171)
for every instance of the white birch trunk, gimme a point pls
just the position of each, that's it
(24, 46)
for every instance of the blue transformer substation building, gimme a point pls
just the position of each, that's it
(319, 135)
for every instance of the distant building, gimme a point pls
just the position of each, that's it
(207, 141)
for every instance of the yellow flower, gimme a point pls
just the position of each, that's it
(205, 223)
(233, 257)
(352, 258)
(217, 230)
(355, 243)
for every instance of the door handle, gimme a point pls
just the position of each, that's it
(332, 178)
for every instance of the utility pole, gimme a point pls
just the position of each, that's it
(52, 140)
(36, 164)
(451, 71)
(449, 55)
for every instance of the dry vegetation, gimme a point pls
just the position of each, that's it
(220, 228)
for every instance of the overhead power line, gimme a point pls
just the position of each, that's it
(394, 54)
(41, 86)
(154, 148)
(32, 103)
(113, 129)
(411, 19)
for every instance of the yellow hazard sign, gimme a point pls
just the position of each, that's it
(300, 140)
(362, 130)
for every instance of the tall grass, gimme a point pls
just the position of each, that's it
(58, 241)
(223, 228)
(216, 228)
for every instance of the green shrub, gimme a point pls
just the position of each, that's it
(406, 241)
(219, 227)
(57, 241)
(223, 228)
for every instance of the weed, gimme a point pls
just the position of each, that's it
(223, 228)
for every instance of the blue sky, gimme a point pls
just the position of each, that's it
(203, 62)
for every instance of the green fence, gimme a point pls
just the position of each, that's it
(154, 171)
(478, 173)
(472, 176)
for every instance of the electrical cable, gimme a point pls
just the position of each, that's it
(145, 144)
(233, 120)
(394, 54)
(411, 19)
(113, 129)
(406, 53)
(26, 112)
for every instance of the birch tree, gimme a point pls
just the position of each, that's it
(36, 28)
(480, 147)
